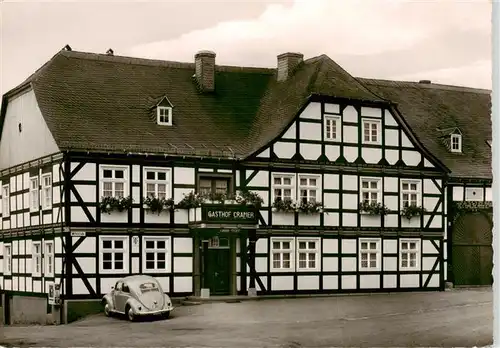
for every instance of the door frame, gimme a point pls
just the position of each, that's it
(213, 246)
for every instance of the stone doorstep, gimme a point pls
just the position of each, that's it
(196, 300)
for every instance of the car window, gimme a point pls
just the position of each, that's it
(148, 287)
(125, 288)
(118, 286)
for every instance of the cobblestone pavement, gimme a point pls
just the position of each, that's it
(459, 318)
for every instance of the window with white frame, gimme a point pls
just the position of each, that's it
(155, 255)
(456, 143)
(157, 182)
(114, 182)
(332, 128)
(47, 191)
(308, 188)
(164, 115)
(369, 254)
(7, 259)
(48, 258)
(113, 254)
(308, 254)
(37, 258)
(409, 252)
(370, 190)
(34, 194)
(410, 193)
(371, 131)
(474, 194)
(5, 201)
(283, 187)
(282, 254)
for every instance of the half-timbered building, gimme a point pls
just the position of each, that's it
(229, 180)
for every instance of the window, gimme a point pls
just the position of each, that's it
(47, 191)
(113, 255)
(7, 252)
(164, 115)
(370, 190)
(332, 128)
(282, 251)
(474, 194)
(155, 258)
(456, 143)
(48, 258)
(408, 250)
(34, 199)
(6, 201)
(283, 187)
(37, 258)
(113, 182)
(369, 250)
(371, 131)
(211, 185)
(157, 183)
(308, 254)
(308, 188)
(410, 193)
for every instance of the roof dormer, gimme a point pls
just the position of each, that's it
(164, 112)
(452, 139)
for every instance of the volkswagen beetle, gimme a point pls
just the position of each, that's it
(137, 296)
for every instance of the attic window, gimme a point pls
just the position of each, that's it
(164, 115)
(456, 143)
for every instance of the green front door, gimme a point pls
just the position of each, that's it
(217, 272)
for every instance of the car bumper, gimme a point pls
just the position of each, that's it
(159, 312)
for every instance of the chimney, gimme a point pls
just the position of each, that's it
(287, 62)
(425, 82)
(110, 52)
(205, 70)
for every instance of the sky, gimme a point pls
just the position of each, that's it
(445, 41)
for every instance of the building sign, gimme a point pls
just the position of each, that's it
(236, 214)
(54, 293)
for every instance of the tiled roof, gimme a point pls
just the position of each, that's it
(96, 102)
(431, 109)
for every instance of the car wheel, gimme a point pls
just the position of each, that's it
(130, 314)
(107, 310)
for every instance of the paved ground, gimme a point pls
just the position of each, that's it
(460, 318)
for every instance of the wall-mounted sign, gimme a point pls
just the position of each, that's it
(54, 293)
(78, 233)
(236, 214)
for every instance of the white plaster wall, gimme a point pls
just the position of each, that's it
(350, 153)
(371, 112)
(332, 152)
(281, 283)
(310, 131)
(312, 111)
(87, 172)
(310, 151)
(350, 114)
(184, 176)
(284, 150)
(24, 109)
(332, 108)
(391, 137)
(350, 134)
(291, 133)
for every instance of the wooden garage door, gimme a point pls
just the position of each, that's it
(472, 257)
